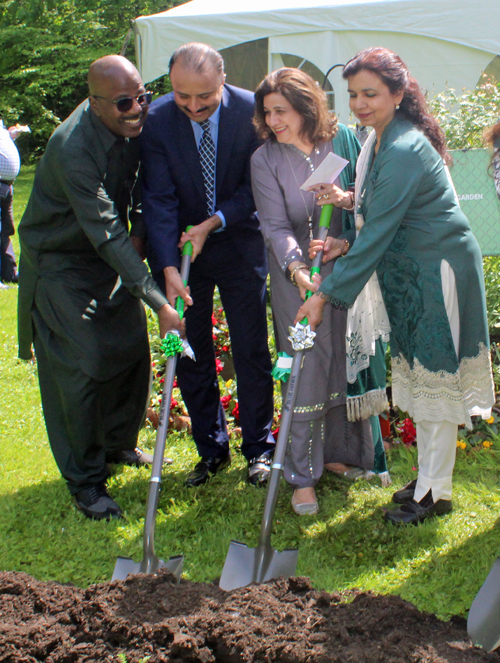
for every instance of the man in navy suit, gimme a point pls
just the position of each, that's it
(204, 120)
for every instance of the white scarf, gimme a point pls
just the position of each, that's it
(367, 319)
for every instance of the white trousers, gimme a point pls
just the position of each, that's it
(437, 447)
(437, 441)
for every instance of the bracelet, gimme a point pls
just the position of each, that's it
(350, 209)
(292, 273)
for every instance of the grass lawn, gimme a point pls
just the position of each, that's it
(439, 565)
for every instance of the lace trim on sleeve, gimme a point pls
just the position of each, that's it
(336, 303)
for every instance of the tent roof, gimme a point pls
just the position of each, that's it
(224, 23)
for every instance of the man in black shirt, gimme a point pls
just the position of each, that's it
(82, 282)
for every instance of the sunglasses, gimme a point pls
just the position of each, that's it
(124, 105)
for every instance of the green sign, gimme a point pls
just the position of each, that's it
(477, 195)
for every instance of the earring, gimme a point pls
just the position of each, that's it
(397, 106)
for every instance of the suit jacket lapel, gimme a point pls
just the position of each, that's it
(228, 124)
(187, 147)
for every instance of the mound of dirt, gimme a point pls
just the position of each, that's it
(284, 621)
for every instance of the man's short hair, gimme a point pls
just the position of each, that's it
(198, 58)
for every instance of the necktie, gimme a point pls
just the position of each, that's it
(207, 160)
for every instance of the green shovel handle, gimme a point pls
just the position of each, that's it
(187, 250)
(324, 222)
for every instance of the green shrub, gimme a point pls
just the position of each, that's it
(47, 48)
(463, 117)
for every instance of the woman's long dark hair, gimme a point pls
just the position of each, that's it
(393, 72)
(492, 135)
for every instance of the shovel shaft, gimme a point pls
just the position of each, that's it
(150, 560)
(280, 451)
(287, 411)
(324, 228)
(187, 252)
(267, 563)
(322, 235)
(286, 423)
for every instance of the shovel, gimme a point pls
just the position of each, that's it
(483, 624)
(245, 565)
(172, 344)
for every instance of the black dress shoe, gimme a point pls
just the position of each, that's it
(413, 512)
(135, 457)
(95, 503)
(206, 468)
(406, 494)
(259, 470)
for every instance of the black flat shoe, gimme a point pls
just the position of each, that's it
(206, 468)
(259, 470)
(413, 512)
(135, 457)
(406, 494)
(95, 503)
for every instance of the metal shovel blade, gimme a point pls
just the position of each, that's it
(245, 565)
(483, 624)
(125, 566)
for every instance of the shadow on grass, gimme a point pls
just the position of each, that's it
(447, 582)
(438, 565)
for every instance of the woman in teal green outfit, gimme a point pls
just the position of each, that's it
(416, 242)
(372, 379)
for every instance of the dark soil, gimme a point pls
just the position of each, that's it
(286, 621)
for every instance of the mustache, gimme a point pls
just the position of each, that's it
(199, 111)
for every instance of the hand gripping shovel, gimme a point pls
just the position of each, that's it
(245, 565)
(483, 624)
(172, 346)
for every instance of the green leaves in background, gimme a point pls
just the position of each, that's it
(463, 117)
(47, 47)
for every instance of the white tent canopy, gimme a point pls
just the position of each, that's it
(443, 42)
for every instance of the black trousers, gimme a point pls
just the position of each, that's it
(243, 295)
(85, 417)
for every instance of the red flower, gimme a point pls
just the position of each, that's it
(214, 337)
(214, 320)
(162, 380)
(173, 403)
(275, 432)
(219, 366)
(236, 411)
(225, 400)
(225, 348)
(175, 384)
(407, 431)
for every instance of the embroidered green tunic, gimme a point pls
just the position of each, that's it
(412, 223)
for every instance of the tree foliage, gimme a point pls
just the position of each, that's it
(47, 47)
(464, 117)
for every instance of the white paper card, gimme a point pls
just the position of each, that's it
(327, 171)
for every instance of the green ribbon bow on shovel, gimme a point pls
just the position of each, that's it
(173, 345)
(282, 367)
